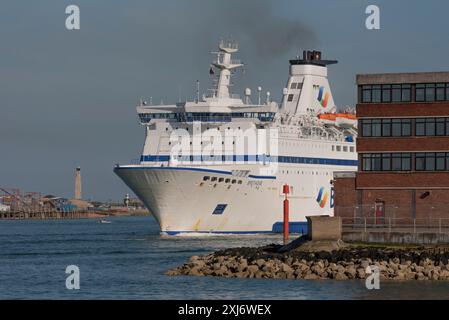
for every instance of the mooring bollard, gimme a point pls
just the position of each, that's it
(286, 191)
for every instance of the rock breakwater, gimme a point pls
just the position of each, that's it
(346, 263)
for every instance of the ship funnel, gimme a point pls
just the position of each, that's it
(308, 88)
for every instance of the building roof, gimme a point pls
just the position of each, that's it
(409, 77)
(344, 174)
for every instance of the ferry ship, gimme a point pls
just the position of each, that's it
(194, 180)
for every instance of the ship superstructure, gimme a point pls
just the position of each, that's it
(218, 163)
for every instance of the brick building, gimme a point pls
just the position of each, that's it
(403, 149)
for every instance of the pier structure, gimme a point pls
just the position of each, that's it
(15, 204)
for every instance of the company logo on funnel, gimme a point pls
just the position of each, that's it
(323, 97)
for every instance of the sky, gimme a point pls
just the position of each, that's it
(67, 98)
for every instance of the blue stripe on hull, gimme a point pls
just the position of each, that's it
(190, 169)
(294, 227)
(257, 158)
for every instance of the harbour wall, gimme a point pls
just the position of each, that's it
(424, 238)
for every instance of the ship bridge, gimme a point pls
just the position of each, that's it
(220, 105)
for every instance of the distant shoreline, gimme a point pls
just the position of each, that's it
(7, 216)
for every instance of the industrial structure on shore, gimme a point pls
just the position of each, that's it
(16, 204)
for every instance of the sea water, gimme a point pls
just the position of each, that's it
(127, 258)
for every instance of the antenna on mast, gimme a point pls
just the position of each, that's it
(197, 91)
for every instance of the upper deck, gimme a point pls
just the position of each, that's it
(202, 111)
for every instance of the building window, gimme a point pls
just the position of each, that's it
(432, 161)
(366, 128)
(432, 127)
(386, 162)
(440, 92)
(396, 95)
(406, 92)
(401, 161)
(430, 92)
(386, 93)
(385, 127)
(290, 98)
(420, 92)
(371, 162)
(426, 92)
(366, 93)
(376, 94)
(376, 128)
(440, 126)
(401, 127)
(293, 85)
(440, 161)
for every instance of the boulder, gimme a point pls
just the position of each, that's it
(340, 276)
(260, 262)
(173, 272)
(351, 272)
(286, 268)
(360, 273)
(242, 265)
(419, 276)
(400, 276)
(252, 268)
(195, 271)
(311, 276)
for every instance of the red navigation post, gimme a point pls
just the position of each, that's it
(286, 191)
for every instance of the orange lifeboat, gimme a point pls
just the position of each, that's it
(339, 119)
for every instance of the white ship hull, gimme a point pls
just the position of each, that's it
(181, 201)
